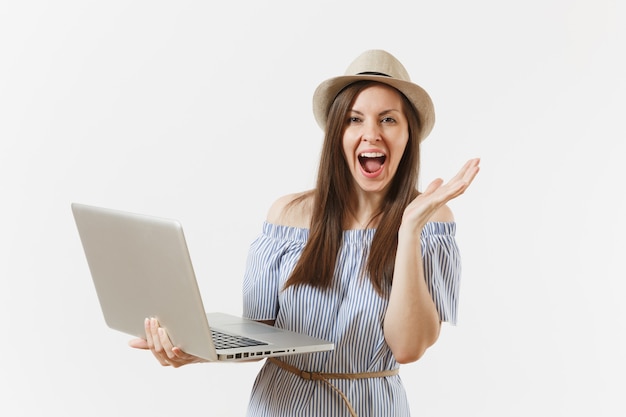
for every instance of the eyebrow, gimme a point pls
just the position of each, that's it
(380, 114)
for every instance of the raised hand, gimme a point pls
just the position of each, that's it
(438, 194)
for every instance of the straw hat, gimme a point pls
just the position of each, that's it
(381, 66)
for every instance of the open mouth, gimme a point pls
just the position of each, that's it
(372, 161)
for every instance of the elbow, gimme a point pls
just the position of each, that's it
(404, 356)
(411, 350)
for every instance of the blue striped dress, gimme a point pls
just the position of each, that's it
(350, 315)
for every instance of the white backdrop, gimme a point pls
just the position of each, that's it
(202, 112)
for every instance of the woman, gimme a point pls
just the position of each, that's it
(363, 260)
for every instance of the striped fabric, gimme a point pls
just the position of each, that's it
(350, 315)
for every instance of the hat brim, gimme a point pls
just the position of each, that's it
(326, 92)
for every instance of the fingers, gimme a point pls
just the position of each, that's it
(158, 341)
(458, 184)
(471, 169)
(155, 339)
(166, 343)
(468, 172)
(181, 358)
(433, 186)
(154, 335)
(147, 328)
(138, 344)
(438, 194)
(462, 180)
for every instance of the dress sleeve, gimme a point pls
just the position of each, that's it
(262, 276)
(442, 267)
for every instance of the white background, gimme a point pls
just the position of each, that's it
(201, 111)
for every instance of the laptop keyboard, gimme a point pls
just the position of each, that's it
(227, 341)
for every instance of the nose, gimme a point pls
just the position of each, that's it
(371, 132)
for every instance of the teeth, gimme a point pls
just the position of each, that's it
(371, 155)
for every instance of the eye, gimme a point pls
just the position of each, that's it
(388, 120)
(353, 119)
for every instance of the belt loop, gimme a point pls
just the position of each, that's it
(306, 375)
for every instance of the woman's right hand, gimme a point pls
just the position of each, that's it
(158, 341)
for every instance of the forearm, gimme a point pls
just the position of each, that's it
(411, 322)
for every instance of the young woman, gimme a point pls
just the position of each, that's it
(363, 260)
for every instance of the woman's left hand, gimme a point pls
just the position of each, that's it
(437, 194)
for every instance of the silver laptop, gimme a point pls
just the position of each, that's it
(140, 266)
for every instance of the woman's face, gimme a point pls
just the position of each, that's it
(375, 137)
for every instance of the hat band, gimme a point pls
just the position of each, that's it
(374, 73)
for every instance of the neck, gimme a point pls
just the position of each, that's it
(362, 219)
(364, 210)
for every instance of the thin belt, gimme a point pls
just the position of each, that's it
(325, 376)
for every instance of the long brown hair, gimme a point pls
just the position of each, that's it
(333, 197)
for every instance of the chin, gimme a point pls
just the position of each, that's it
(373, 188)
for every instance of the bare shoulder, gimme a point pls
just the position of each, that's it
(443, 214)
(292, 210)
